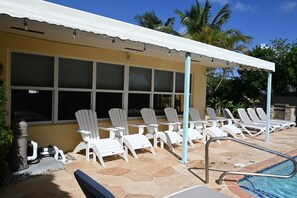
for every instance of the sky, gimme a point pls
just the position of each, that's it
(264, 20)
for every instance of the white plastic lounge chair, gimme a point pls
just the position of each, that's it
(263, 116)
(168, 137)
(225, 124)
(175, 126)
(88, 127)
(246, 127)
(254, 117)
(132, 142)
(247, 123)
(197, 123)
(197, 191)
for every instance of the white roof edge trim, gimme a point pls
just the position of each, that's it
(84, 21)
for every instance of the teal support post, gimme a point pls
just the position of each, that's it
(267, 138)
(186, 107)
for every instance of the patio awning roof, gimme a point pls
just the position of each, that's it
(46, 19)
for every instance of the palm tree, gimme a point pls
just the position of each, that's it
(197, 18)
(200, 26)
(150, 20)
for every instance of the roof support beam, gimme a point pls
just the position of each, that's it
(268, 103)
(186, 107)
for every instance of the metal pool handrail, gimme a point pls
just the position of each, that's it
(246, 173)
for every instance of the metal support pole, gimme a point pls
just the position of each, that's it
(268, 105)
(186, 107)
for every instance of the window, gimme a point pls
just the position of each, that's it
(32, 70)
(107, 101)
(140, 79)
(75, 73)
(136, 102)
(161, 101)
(179, 103)
(70, 102)
(163, 81)
(35, 96)
(110, 76)
(31, 105)
(180, 82)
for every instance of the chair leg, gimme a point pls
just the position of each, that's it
(125, 157)
(191, 142)
(79, 147)
(87, 152)
(152, 150)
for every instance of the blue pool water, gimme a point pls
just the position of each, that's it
(272, 187)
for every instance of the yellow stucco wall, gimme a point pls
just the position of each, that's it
(64, 136)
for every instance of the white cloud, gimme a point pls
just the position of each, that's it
(244, 7)
(288, 6)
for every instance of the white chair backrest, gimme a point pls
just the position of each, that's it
(253, 115)
(118, 118)
(194, 114)
(227, 113)
(171, 114)
(261, 113)
(243, 116)
(149, 117)
(211, 113)
(87, 120)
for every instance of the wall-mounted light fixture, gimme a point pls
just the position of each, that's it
(25, 24)
(74, 34)
(129, 58)
(113, 41)
(144, 48)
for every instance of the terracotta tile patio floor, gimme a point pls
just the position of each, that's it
(157, 175)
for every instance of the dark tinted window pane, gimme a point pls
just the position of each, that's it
(163, 81)
(140, 79)
(110, 76)
(31, 105)
(107, 101)
(136, 103)
(70, 102)
(75, 73)
(32, 70)
(161, 101)
(179, 103)
(180, 82)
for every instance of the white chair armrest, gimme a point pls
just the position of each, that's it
(113, 131)
(84, 132)
(140, 127)
(153, 125)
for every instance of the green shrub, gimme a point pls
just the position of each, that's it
(5, 133)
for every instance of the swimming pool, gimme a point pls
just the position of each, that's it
(272, 187)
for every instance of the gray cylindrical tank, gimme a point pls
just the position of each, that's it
(18, 154)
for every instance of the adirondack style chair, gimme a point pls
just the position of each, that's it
(89, 130)
(167, 137)
(174, 125)
(225, 124)
(132, 142)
